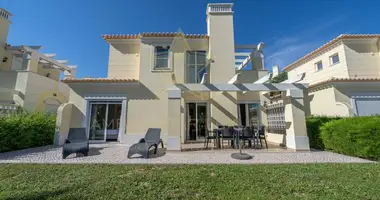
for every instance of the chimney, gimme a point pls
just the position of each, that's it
(275, 71)
(220, 29)
(4, 26)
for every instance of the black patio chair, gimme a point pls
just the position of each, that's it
(211, 135)
(261, 136)
(152, 139)
(249, 135)
(76, 142)
(228, 134)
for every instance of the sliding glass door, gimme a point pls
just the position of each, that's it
(104, 121)
(196, 121)
(249, 114)
(97, 122)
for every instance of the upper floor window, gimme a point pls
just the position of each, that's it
(161, 54)
(195, 66)
(334, 59)
(318, 66)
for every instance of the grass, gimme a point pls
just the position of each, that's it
(83, 181)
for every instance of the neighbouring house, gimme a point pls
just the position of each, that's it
(185, 84)
(28, 78)
(344, 76)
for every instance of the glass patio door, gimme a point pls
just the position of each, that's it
(196, 121)
(249, 114)
(104, 122)
(98, 120)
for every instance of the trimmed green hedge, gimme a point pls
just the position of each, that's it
(356, 136)
(313, 124)
(26, 130)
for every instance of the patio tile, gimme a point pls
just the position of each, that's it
(117, 154)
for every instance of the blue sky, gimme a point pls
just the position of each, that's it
(290, 28)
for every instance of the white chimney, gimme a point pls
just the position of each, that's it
(275, 70)
(5, 17)
(220, 29)
(4, 28)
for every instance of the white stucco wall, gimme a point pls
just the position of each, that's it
(359, 58)
(124, 60)
(363, 58)
(312, 76)
(40, 88)
(323, 102)
(30, 90)
(8, 82)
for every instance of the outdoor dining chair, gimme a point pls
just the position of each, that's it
(228, 134)
(261, 136)
(249, 135)
(211, 135)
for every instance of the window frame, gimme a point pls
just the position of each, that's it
(331, 59)
(196, 65)
(161, 69)
(316, 66)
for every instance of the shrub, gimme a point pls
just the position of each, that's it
(313, 124)
(26, 130)
(357, 136)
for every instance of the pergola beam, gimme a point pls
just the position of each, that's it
(239, 60)
(245, 46)
(242, 53)
(204, 78)
(234, 79)
(264, 79)
(63, 61)
(258, 87)
(244, 63)
(42, 56)
(50, 55)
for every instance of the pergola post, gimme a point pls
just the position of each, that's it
(33, 62)
(174, 119)
(296, 133)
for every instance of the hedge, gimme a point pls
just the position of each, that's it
(26, 130)
(356, 136)
(313, 124)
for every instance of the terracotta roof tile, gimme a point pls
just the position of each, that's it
(328, 44)
(151, 34)
(335, 80)
(99, 80)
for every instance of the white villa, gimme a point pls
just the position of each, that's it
(184, 84)
(28, 78)
(344, 76)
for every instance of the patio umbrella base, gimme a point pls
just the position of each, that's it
(241, 156)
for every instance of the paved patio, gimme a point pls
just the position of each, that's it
(117, 154)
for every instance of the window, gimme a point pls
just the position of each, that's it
(334, 59)
(195, 66)
(276, 118)
(161, 54)
(318, 66)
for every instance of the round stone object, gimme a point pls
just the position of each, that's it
(241, 156)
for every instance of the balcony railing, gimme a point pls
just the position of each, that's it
(220, 8)
(7, 109)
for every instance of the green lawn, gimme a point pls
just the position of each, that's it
(300, 181)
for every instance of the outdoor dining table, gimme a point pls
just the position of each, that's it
(238, 132)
